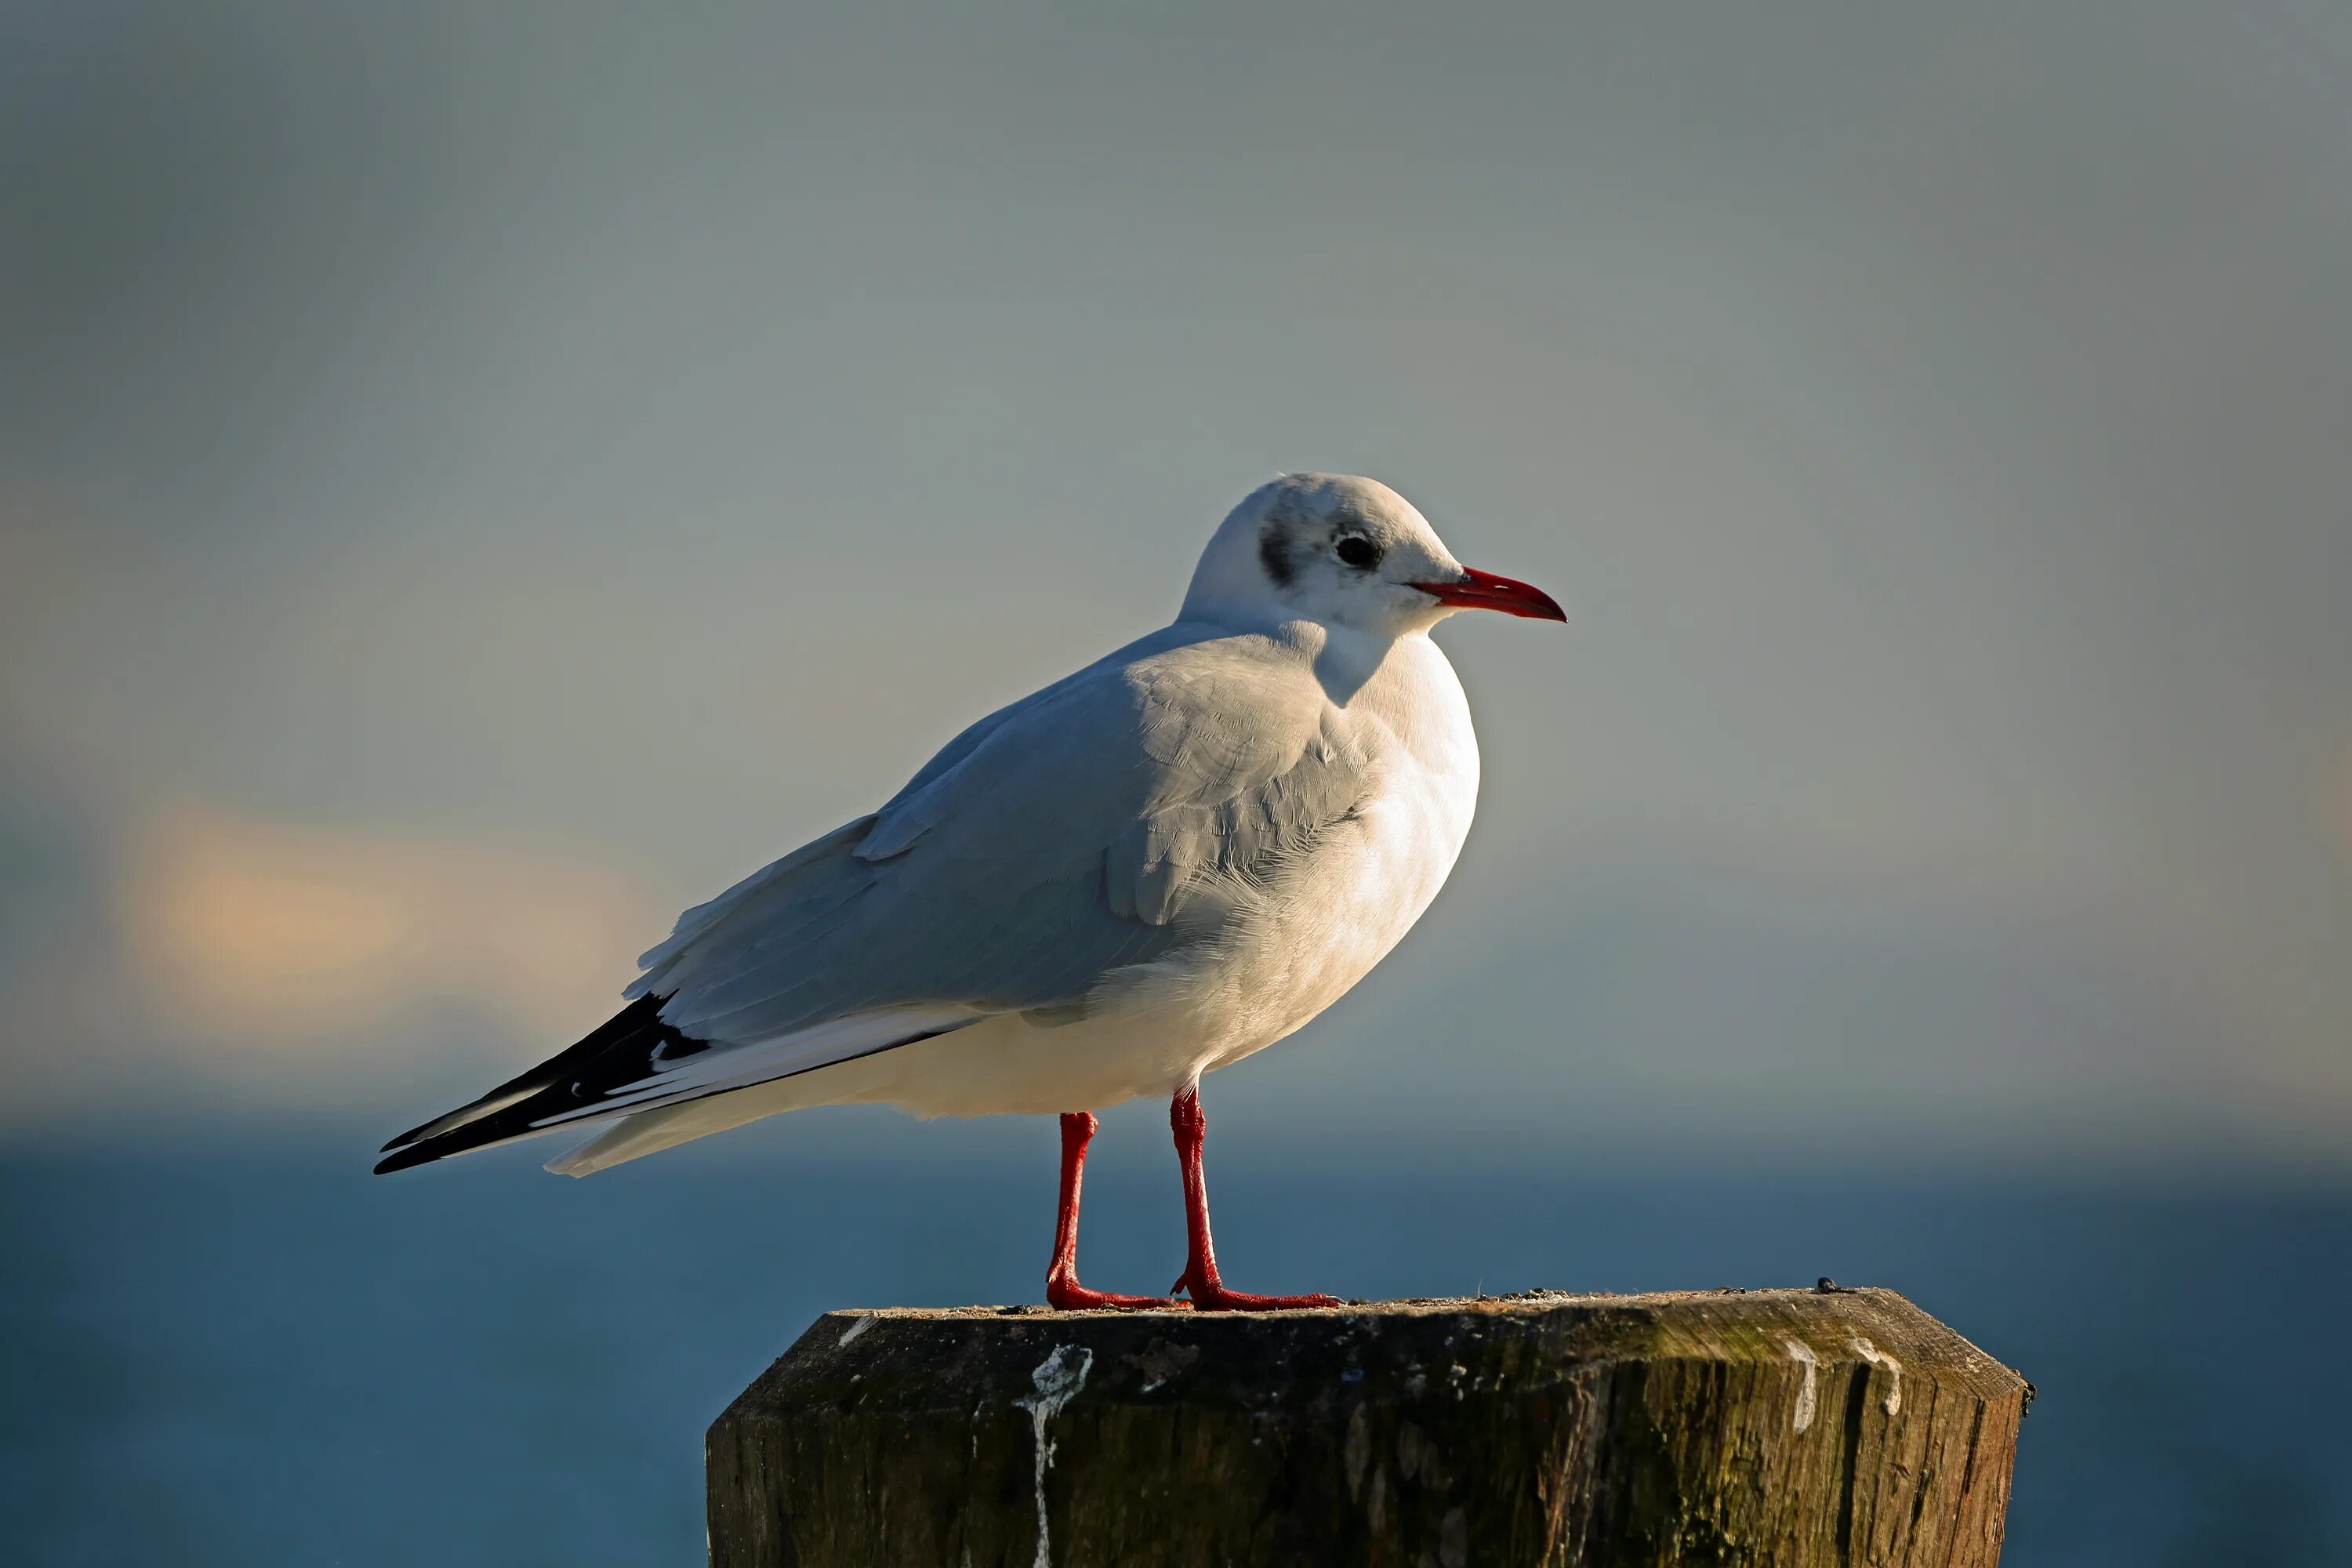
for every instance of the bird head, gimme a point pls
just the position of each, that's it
(1347, 552)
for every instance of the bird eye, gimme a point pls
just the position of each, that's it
(1356, 551)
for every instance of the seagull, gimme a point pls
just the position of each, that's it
(1142, 873)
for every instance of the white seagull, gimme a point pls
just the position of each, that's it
(1142, 873)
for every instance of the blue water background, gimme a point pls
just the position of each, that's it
(259, 1355)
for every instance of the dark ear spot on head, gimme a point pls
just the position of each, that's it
(1274, 552)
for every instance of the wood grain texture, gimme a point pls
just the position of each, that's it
(1787, 1428)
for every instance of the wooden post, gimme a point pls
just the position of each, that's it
(1799, 1429)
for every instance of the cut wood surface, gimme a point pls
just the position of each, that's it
(1791, 1428)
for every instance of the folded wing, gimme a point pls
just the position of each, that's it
(1102, 823)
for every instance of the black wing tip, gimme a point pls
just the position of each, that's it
(405, 1138)
(408, 1158)
(623, 1047)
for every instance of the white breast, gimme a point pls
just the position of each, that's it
(1339, 912)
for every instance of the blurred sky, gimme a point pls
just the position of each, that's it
(474, 479)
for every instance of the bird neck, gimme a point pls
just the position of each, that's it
(1343, 659)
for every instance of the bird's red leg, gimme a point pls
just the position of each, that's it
(1200, 1279)
(1062, 1287)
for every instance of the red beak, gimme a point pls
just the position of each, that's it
(1476, 589)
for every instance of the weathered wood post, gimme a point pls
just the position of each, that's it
(1799, 1429)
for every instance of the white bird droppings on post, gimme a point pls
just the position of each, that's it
(1808, 1396)
(1877, 1357)
(854, 1329)
(1058, 1380)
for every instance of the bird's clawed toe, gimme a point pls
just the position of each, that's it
(1067, 1295)
(1212, 1296)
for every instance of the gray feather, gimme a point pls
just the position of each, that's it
(1076, 832)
